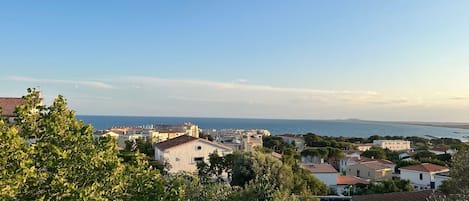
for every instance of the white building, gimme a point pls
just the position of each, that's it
(393, 145)
(440, 177)
(422, 176)
(324, 172)
(183, 152)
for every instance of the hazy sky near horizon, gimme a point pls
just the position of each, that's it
(376, 60)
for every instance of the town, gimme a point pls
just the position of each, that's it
(340, 168)
(347, 166)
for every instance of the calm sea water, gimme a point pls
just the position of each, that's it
(277, 126)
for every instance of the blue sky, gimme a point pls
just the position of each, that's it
(379, 60)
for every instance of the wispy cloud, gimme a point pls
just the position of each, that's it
(86, 83)
(244, 91)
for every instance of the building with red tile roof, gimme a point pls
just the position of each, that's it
(324, 172)
(8, 105)
(184, 152)
(422, 176)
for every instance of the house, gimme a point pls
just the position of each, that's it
(8, 106)
(346, 184)
(440, 178)
(324, 172)
(294, 139)
(182, 153)
(442, 150)
(428, 195)
(351, 160)
(422, 176)
(372, 170)
(344, 162)
(393, 145)
(388, 163)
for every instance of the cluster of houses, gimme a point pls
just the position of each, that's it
(180, 147)
(355, 169)
(151, 133)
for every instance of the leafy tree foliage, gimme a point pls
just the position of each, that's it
(142, 145)
(314, 140)
(275, 143)
(49, 155)
(252, 168)
(457, 187)
(375, 152)
(386, 186)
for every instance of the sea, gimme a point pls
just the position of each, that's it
(347, 128)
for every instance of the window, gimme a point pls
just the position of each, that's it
(358, 173)
(198, 159)
(421, 176)
(368, 173)
(199, 147)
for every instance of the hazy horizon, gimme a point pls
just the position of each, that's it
(371, 60)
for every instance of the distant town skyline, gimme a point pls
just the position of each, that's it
(373, 60)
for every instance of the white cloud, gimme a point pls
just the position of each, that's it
(212, 91)
(75, 83)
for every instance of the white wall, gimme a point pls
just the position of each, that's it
(439, 180)
(414, 177)
(330, 179)
(344, 163)
(181, 157)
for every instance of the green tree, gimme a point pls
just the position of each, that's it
(375, 152)
(457, 187)
(386, 186)
(424, 155)
(64, 162)
(15, 163)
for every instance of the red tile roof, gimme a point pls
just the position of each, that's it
(441, 149)
(185, 139)
(426, 167)
(175, 142)
(426, 195)
(350, 180)
(319, 168)
(8, 105)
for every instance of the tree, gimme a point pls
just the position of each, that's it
(375, 152)
(386, 186)
(64, 162)
(457, 187)
(15, 162)
(256, 171)
(424, 155)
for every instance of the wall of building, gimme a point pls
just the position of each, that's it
(414, 177)
(368, 173)
(394, 145)
(439, 180)
(181, 157)
(330, 179)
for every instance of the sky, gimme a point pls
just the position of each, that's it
(376, 60)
